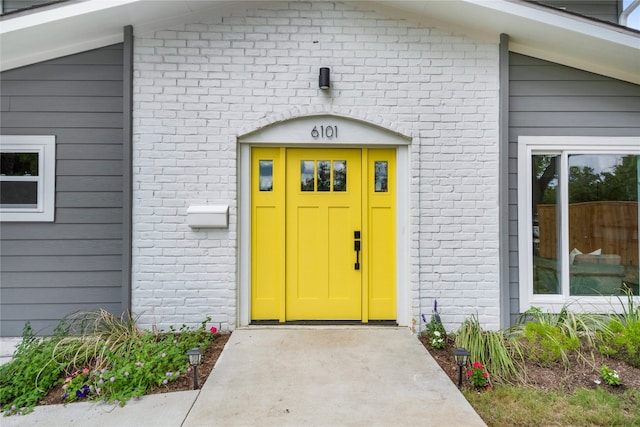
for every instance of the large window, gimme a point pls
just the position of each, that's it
(578, 220)
(27, 178)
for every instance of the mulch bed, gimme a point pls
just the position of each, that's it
(185, 382)
(555, 377)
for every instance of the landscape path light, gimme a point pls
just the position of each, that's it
(195, 357)
(462, 357)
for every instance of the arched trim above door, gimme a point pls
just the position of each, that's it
(295, 128)
(324, 129)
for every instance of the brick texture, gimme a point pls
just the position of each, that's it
(199, 85)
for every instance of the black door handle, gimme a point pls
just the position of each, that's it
(356, 247)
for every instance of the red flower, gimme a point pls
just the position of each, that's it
(469, 372)
(213, 330)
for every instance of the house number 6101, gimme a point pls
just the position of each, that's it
(324, 132)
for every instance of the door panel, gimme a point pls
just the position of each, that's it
(381, 226)
(267, 234)
(322, 214)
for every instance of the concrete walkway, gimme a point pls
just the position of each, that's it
(296, 376)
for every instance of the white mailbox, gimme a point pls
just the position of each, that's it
(210, 216)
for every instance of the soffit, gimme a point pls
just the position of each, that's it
(74, 26)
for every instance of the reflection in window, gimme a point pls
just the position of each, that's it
(19, 164)
(266, 175)
(603, 223)
(546, 265)
(324, 175)
(19, 186)
(339, 175)
(602, 229)
(306, 175)
(381, 177)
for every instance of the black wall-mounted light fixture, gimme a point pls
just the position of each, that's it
(324, 80)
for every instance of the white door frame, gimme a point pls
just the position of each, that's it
(351, 133)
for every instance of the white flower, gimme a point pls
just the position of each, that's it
(436, 333)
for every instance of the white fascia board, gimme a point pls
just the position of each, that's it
(66, 11)
(74, 27)
(538, 31)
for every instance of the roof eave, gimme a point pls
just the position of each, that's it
(546, 33)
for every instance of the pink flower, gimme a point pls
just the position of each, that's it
(64, 387)
(85, 371)
(469, 372)
(477, 365)
(213, 330)
(487, 387)
(164, 381)
(68, 379)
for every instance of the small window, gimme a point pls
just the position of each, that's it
(382, 177)
(339, 175)
(27, 178)
(266, 175)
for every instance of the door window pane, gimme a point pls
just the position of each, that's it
(266, 175)
(324, 175)
(306, 175)
(603, 223)
(381, 177)
(339, 175)
(546, 215)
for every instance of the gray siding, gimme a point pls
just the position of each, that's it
(606, 10)
(48, 270)
(553, 100)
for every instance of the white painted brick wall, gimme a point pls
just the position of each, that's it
(198, 85)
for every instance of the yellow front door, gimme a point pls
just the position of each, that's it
(323, 234)
(323, 214)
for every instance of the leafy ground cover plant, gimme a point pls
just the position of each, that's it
(609, 376)
(434, 330)
(110, 360)
(31, 373)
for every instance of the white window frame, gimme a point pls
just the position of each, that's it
(562, 146)
(45, 146)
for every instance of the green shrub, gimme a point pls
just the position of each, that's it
(549, 344)
(623, 339)
(32, 372)
(111, 360)
(501, 356)
(552, 337)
